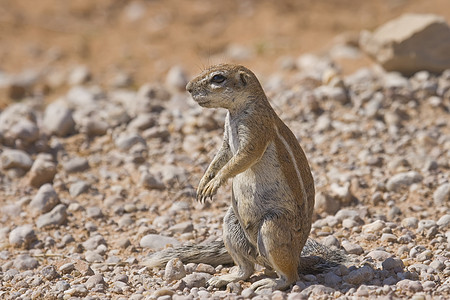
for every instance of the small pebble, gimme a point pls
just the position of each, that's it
(62, 285)
(45, 200)
(205, 268)
(358, 276)
(379, 255)
(174, 270)
(78, 290)
(410, 222)
(443, 221)
(393, 264)
(403, 180)
(352, 248)
(49, 272)
(196, 279)
(22, 236)
(57, 216)
(78, 188)
(42, 171)
(374, 227)
(93, 257)
(94, 212)
(94, 280)
(12, 158)
(75, 164)
(93, 242)
(387, 237)
(157, 242)
(58, 119)
(67, 268)
(441, 195)
(409, 285)
(247, 293)
(25, 262)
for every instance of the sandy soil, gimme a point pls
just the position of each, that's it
(145, 38)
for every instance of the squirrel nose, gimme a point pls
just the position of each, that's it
(189, 87)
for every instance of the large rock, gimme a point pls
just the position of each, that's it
(410, 43)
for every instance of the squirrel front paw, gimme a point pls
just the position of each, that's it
(208, 190)
(201, 186)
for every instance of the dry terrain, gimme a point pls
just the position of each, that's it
(101, 148)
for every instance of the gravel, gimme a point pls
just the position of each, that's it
(89, 193)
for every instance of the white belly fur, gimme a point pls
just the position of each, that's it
(258, 190)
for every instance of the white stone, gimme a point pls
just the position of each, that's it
(403, 180)
(58, 119)
(157, 242)
(12, 158)
(441, 195)
(410, 43)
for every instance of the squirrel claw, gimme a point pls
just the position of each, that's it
(211, 188)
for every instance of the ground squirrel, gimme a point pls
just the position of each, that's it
(270, 217)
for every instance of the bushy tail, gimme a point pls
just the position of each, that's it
(315, 258)
(211, 253)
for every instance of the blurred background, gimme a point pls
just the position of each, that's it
(142, 39)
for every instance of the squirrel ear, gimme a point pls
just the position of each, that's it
(243, 78)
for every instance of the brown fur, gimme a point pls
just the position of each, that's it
(272, 201)
(273, 186)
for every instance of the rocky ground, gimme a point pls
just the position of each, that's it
(96, 180)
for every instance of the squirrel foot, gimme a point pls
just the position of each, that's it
(220, 281)
(243, 273)
(269, 283)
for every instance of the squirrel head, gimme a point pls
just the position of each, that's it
(226, 86)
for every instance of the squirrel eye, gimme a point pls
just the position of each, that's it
(218, 78)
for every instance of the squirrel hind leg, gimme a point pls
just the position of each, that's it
(276, 245)
(284, 264)
(240, 249)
